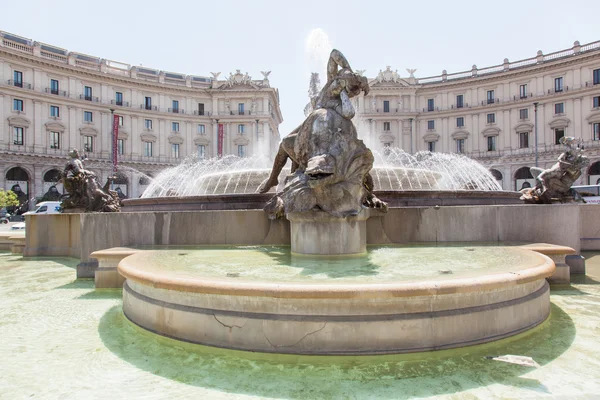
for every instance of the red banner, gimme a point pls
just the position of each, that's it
(220, 141)
(115, 149)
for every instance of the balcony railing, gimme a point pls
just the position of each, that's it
(20, 84)
(57, 92)
(558, 90)
(176, 111)
(202, 113)
(89, 98)
(120, 103)
(148, 107)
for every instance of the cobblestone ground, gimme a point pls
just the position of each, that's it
(62, 339)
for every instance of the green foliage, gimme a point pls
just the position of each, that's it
(8, 198)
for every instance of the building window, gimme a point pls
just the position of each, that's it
(87, 116)
(148, 124)
(386, 126)
(596, 131)
(559, 108)
(241, 108)
(18, 105)
(558, 133)
(241, 129)
(174, 150)
(491, 118)
(523, 91)
(120, 120)
(490, 97)
(120, 146)
(596, 102)
(88, 144)
(558, 84)
(148, 103)
(386, 106)
(460, 122)
(241, 151)
(119, 98)
(524, 113)
(53, 86)
(491, 143)
(460, 145)
(175, 126)
(201, 151)
(459, 101)
(431, 125)
(87, 92)
(18, 78)
(18, 136)
(523, 140)
(200, 108)
(431, 147)
(430, 105)
(148, 149)
(54, 140)
(596, 75)
(201, 129)
(54, 111)
(175, 105)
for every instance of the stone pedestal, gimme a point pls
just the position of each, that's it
(319, 233)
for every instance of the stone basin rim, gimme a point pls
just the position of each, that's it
(128, 270)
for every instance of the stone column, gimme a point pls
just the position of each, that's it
(319, 233)
(4, 128)
(578, 129)
(267, 140)
(36, 128)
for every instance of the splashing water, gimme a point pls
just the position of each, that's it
(394, 170)
(317, 48)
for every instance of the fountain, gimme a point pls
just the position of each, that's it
(329, 292)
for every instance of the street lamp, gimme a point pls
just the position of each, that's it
(535, 108)
(112, 152)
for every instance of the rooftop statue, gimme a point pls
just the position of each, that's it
(553, 185)
(330, 166)
(84, 190)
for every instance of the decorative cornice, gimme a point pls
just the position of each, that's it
(148, 137)
(241, 140)
(176, 139)
(593, 117)
(54, 126)
(524, 127)
(559, 122)
(461, 134)
(19, 121)
(491, 131)
(88, 130)
(201, 140)
(431, 137)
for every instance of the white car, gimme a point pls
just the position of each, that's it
(45, 207)
(18, 226)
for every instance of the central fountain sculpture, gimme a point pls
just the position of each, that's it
(330, 294)
(330, 171)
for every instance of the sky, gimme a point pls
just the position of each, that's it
(200, 37)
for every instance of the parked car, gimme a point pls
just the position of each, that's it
(18, 226)
(4, 218)
(45, 207)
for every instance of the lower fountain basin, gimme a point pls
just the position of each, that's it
(391, 300)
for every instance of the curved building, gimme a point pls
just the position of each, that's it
(52, 99)
(490, 114)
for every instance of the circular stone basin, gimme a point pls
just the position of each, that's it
(391, 300)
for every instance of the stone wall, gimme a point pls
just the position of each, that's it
(78, 235)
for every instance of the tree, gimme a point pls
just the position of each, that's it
(8, 198)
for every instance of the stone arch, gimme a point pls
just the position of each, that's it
(52, 188)
(18, 179)
(523, 178)
(593, 173)
(496, 174)
(120, 184)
